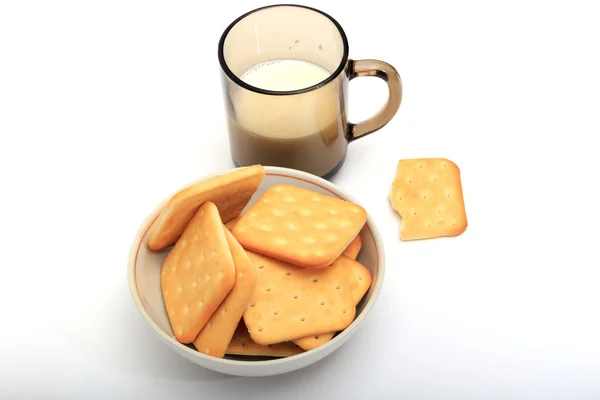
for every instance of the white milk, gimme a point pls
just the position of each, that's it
(285, 74)
(287, 116)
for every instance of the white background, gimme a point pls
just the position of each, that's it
(108, 106)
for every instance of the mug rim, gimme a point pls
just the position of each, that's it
(225, 68)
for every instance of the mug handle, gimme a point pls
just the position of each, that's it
(385, 71)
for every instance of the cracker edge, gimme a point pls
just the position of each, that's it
(156, 239)
(276, 350)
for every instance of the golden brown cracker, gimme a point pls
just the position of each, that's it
(242, 344)
(353, 248)
(214, 338)
(299, 226)
(230, 192)
(427, 193)
(312, 342)
(290, 302)
(197, 274)
(230, 224)
(360, 282)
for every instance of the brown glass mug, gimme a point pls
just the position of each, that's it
(285, 73)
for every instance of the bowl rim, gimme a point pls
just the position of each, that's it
(269, 171)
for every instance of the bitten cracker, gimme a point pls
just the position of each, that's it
(242, 344)
(360, 281)
(290, 302)
(427, 193)
(353, 248)
(230, 193)
(197, 274)
(299, 226)
(216, 335)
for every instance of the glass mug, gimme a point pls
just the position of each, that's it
(285, 73)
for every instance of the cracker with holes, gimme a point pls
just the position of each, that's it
(427, 193)
(360, 281)
(216, 335)
(197, 274)
(290, 302)
(299, 226)
(230, 192)
(242, 345)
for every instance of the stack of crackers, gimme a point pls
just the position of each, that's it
(276, 281)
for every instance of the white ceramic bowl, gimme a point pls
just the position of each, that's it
(144, 283)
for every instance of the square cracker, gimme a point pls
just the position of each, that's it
(290, 302)
(214, 338)
(360, 281)
(299, 226)
(243, 345)
(230, 192)
(197, 274)
(427, 193)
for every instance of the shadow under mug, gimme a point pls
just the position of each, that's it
(294, 112)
